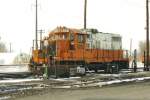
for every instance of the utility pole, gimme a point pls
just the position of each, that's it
(147, 35)
(134, 63)
(36, 25)
(33, 45)
(85, 13)
(10, 47)
(41, 33)
(144, 62)
(130, 47)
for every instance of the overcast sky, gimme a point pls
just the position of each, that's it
(17, 19)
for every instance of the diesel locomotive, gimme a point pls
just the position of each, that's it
(68, 51)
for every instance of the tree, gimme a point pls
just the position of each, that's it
(142, 47)
(3, 47)
(21, 58)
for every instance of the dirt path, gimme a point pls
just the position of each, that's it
(140, 91)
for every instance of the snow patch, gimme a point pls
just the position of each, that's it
(5, 98)
(18, 80)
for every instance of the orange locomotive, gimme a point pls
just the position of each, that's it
(65, 49)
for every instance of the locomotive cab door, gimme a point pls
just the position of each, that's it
(72, 38)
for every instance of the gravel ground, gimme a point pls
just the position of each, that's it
(139, 91)
(81, 88)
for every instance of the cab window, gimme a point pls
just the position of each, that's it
(80, 38)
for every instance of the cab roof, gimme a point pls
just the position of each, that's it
(59, 30)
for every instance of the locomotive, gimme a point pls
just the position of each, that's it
(66, 50)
